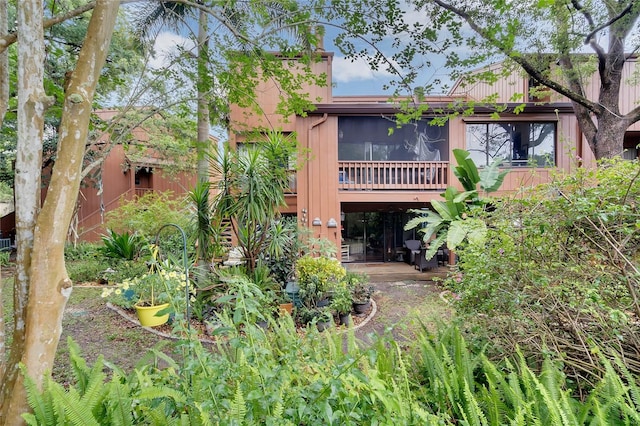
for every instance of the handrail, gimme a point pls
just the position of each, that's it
(393, 175)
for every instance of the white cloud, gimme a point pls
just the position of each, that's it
(166, 47)
(347, 70)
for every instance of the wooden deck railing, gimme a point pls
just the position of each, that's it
(393, 175)
(141, 192)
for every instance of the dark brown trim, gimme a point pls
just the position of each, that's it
(436, 109)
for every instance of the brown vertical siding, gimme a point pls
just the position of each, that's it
(268, 95)
(118, 185)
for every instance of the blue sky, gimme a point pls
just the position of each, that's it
(349, 77)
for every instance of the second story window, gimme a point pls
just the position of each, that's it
(515, 143)
(368, 138)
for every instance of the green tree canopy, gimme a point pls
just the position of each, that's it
(560, 44)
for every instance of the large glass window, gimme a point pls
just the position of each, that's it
(370, 139)
(515, 143)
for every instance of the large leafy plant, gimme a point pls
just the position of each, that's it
(123, 246)
(452, 221)
(251, 183)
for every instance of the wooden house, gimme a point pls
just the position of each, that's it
(122, 176)
(360, 179)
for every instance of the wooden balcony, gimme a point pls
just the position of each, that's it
(141, 192)
(393, 175)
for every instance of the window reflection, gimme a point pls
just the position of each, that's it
(514, 143)
(378, 139)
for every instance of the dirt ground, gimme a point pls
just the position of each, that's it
(402, 308)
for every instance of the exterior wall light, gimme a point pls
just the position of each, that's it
(331, 223)
(316, 222)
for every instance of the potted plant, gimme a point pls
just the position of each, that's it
(361, 292)
(151, 293)
(322, 317)
(317, 277)
(341, 303)
(285, 304)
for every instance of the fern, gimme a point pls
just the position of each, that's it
(71, 407)
(119, 402)
(40, 403)
(471, 411)
(238, 408)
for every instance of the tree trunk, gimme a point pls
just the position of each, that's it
(609, 138)
(4, 65)
(48, 283)
(32, 103)
(4, 105)
(204, 86)
(202, 144)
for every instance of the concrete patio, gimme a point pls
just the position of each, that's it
(396, 271)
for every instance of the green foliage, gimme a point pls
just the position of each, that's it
(123, 246)
(201, 222)
(124, 61)
(251, 185)
(282, 248)
(280, 377)
(244, 300)
(559, 272)
(6, 192)
(145, 215)
(169, 136)
(452, 220)
(80, 251)
(90, 269)
(551, 54)
(162, 283)
(317, 276)
(5, 257)
(341, 300)
(358, 285)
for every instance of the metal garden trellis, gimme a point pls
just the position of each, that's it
(186, 268)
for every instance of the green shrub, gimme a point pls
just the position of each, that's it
(317, 276)
(102, 269)
(5, 257)
(145, 215)
(557, 272)
(466, 387)
(122, 246)
(81, 251)
(90, 269)
(6, 192)
(283, 378)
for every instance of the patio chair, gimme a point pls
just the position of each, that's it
(423, 263)
(413, 248)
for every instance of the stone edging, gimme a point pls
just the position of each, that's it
(123, 314)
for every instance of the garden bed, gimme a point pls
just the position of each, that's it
(166, 330)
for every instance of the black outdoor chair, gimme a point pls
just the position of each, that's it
(413, 249)
(423, 263)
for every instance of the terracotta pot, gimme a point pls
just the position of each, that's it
(147, 315)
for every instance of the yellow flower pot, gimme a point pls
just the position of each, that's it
(147, 315)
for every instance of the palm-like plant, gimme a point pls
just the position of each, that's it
(450, 221)
(276, 14)
(251, 189)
